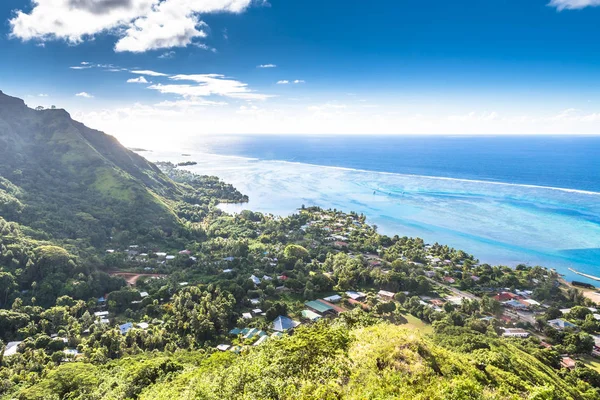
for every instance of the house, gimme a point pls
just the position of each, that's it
(437, 302)
(125, 328)
(340, 244)
(384, 294)
(235, 331)
(515, 305)
(161, 255)
(186, 252)
(261, 340)
(430, 274)
(267, 278)
(355, 295)
(101, 314)
(183, 283)
(561, 324)
(229, 259)
(282, 324)
(11, 348)
(168, 258)
(310, 315)
(515, 332)
(449, 279)
(255, 280)
(319, 307)
(101, 300)
(143, 325)
(505, 296)
(567, 362)
(333, 299)
(257, 311)
(223, 347)
(254, 301)
(227, 271)
(531, 302)
(456, 300)
(335, 307)
(246, 315)
(71, 352)
(251, 333)
(143, 294)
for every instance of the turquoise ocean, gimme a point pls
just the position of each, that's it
(507, 200)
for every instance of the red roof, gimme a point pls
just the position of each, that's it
(505, 296)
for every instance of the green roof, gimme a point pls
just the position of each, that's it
(308, 314)
(318, 306)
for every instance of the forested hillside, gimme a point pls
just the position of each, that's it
(121, 279)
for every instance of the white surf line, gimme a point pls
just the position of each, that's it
(567, 190)
(595, 278)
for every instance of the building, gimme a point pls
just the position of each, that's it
(125, 328)
(223, 347)
(355, 295)
(567, 362)
(283, 324)
(319, 307)
(101, 314)
(261, 340)
(561, 324)
(255, 280)
(515, 332)
(11, 348)
(384, 294)
(336, 298)
(515, 305)
(449, 279)
(505, 296)
(310, 315)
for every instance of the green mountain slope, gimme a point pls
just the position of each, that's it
(76, 182)
(324, 362)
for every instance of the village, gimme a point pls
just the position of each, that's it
(328, 263)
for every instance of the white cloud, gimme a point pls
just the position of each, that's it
(267, 66)
(168, 54)
(299, 81)
(173, 23)
(327, 106)
(85, 95)
(284, 82)
(209, 85)
(474, 116)
(148, 72)
(140, 25)
(42, 95)
(141, 79)
(193, 102)
(81, 66)
(573, 4)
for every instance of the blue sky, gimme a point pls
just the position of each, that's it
(471, 66)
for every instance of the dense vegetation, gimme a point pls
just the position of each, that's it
(85, 215)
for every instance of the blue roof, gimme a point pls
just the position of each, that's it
(235, 331)
(125, 327)
(282, 324)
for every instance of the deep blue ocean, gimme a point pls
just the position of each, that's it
(507, 200)
(571, 162)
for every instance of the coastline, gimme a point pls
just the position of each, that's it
(500, 223)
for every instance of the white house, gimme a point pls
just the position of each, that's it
(515, 332)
